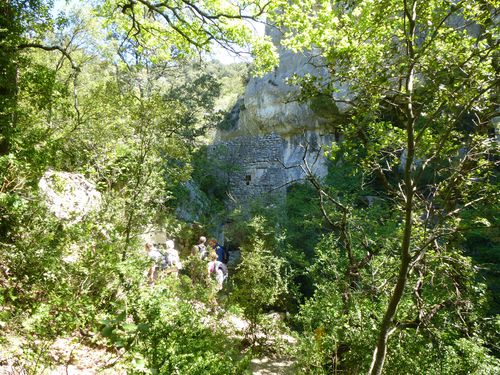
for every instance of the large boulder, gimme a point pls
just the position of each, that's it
(69, 196)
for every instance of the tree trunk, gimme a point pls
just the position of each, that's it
(380, 351)
(381, 348)
(9, 35)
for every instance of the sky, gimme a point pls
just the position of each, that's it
(226, 57)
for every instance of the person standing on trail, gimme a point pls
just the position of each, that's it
(200, 249)
(172, 255)
(155, 258)
(219, 250)
(217, 269)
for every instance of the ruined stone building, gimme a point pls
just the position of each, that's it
(269, 130)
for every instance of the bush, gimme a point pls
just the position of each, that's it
(166, 330)
(261, 280)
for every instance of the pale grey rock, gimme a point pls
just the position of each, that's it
(191, 208)
(69, 196)
(154, 235)
(269, 129)
(270, 104)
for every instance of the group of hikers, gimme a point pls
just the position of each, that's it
(169, 261)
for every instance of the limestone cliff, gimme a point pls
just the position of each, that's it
(269, 129)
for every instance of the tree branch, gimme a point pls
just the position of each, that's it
(50, 48)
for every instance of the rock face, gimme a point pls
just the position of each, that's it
(268, 163)
(270, 130)
(270, 103)
(69, 196)
(195, 203)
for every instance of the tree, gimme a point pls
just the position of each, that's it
(15, 17)
(421, 78)
(261, 280)
(182, 28)
(149, 33)
(130, 126)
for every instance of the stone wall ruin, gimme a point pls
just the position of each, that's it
(268, 163)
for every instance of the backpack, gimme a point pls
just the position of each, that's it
(200, 250)
(219, 271)
(223, 268)
(171, 259)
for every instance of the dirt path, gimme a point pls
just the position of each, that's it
(67, 355)
(272, 366)
(70, 356)
(265, 365)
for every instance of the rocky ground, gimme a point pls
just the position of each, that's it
(272, 366)
(67, 355)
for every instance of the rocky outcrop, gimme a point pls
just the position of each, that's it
(270, 103)
(69, 196)
(270, 129)
(193, 205)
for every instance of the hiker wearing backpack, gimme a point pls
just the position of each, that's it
(219, 250)
(200, 249)
(155, 258)
(218, 270)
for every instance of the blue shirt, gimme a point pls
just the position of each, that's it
(219, 250)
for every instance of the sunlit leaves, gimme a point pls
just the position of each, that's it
(420, 78)
(265, 55)
(180, 28)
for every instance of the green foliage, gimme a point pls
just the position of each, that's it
(132, 129)
(233, 79)
(303, 219)
(196, 269)
(176, 29)
(261, 281)
(134, 124)
(482, 243)
(164, 331)
(265, 54)
(338, 332)
(210, 172)
(417, 83)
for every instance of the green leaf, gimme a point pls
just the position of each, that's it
(142, 327)
(107, 331)
(129, 327)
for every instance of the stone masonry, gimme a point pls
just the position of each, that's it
(268, 130)
(267, 164)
